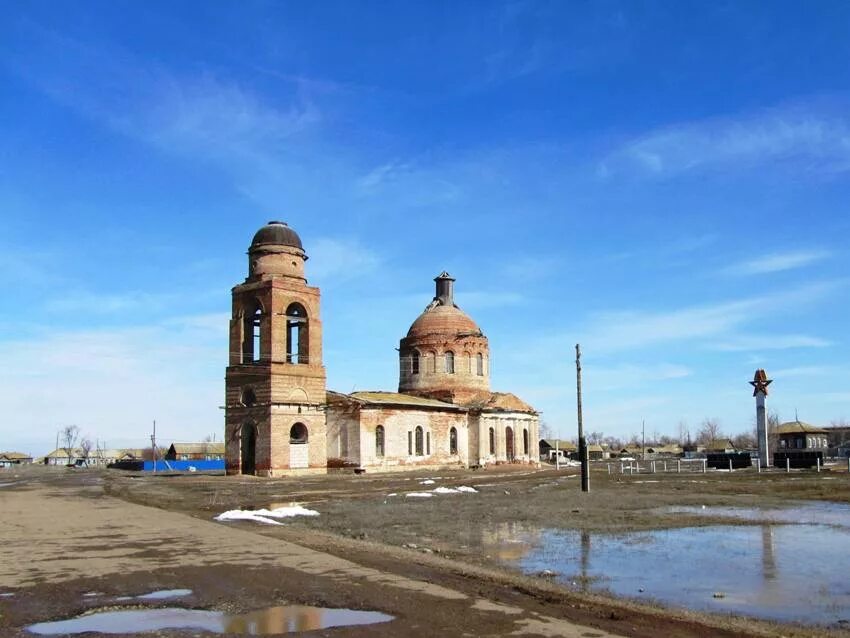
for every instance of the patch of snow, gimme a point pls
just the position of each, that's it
(466, 488)
(265, 515)
(393, 494)
(420, 494)
(6, 594)
(426, 482)
(445, 490)
(246, 515)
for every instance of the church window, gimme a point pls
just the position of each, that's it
(453, 441)
(428, 443)
(525, 441)
(414, 361)
(479, 364)
(296, 334)
(410, 443)
(450, 362)
(298, 433)
(379, 440)
(492, 441)
(419, 451)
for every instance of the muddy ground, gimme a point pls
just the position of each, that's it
(393, 547)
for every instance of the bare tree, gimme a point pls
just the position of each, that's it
(709, 430)
(682, 432)
(69, 436)
(544, 430)
(744, 441)
(85, 448)
(595, 438)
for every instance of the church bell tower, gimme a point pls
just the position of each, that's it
(275, 388)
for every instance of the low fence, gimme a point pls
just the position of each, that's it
(654, 467)
(799, 459)
(729, 460)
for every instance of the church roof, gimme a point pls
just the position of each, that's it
(277, 234)
(443, 319)
(396, 398)
(500, 402)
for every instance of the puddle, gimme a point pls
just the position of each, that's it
(162, 594)
(264, 622)
(824, 513)
(788, 573)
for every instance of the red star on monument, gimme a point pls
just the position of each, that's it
(760, 382)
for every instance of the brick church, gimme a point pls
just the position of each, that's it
(280, 418)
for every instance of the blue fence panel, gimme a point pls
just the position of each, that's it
(183, 466)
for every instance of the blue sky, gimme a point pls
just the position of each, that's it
(666, 183)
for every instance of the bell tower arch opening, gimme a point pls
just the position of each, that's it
(297, 334)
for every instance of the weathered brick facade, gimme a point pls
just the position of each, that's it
(280, 419)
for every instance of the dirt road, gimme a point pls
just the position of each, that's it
(68, 546)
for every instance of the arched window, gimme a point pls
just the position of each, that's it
(492, 441)
(298, 433)
(525, 442)
(379, 441)
(297, 343)
(453, 441)
(419, 441)
(479, 364)
(414, 361)
(450, 362)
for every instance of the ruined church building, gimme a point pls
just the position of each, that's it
(280, 418)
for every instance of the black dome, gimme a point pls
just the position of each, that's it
(278, 234)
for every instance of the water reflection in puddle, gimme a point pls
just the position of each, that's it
(824, 513)
(263, 622)
(780, 572)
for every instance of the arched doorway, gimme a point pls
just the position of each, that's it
(249, 449)
(509, 444)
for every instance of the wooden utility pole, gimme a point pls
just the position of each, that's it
(153, 445)
(582, 442)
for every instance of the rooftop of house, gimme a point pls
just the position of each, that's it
(799, 427)
(198, 448)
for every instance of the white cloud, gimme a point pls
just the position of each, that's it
(810, 137)
(777, 262)
(715, 325)
(113, 382)
(745, 343)
(605, 378)
(333, 260)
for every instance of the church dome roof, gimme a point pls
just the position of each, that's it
(444, 320)
(277, 234)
